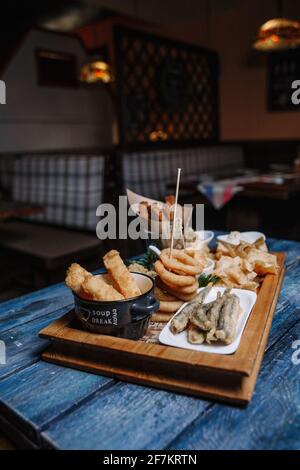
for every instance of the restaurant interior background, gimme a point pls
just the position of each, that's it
(179, 85)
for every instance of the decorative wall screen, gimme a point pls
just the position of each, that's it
(283, 69)
(167, 90)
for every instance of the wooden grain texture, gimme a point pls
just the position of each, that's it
(271, 421)
(208, 384)
(42, 392)
(194, 373)
(242, 362)
(126, 417)
(160, 418)
(32, 306)
(89, 417)
(23, 345)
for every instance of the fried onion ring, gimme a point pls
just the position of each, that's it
(176, 292)
(184, 289)
(171, 278)
(178, 267)
(164, 296)
(170, 307)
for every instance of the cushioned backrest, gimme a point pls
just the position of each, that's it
(6, 171)
(148, 173)
(69, 187)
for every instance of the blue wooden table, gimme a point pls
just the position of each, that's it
(45, 405)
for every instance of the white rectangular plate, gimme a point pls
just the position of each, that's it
(247, 301)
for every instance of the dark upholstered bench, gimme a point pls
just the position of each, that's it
(45, 252)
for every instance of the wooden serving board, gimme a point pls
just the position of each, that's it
(228, 378)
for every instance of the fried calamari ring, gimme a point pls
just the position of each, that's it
(181, 263)
(164, 296)
(176, 292)
(171, 278)
(179, 268)
(170, 307)
(188, 289)
(184, 289)
(181, 255)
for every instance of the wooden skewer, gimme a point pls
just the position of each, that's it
(175, 211)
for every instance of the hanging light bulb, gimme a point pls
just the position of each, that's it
(96, 71)
(278, 34)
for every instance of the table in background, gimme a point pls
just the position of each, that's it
(13, 209)
(272, 207)
(44, 405)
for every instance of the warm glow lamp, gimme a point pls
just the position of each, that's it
(96, 71)
(278, 34)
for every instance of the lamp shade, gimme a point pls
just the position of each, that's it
(96, 71)
(278, 34)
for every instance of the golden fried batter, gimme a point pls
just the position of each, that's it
(76, 275)
(180, 263)
(98, 289)
(172, 279)
(120, 274)
(170, 306)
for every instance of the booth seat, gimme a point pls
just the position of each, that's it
(68, 187)
(149, 173)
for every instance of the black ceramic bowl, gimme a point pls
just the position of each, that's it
(127, 318)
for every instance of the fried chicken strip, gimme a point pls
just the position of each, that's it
(96, 288)
(76, 275)
(120, 274)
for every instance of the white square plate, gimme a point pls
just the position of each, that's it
(247, 301)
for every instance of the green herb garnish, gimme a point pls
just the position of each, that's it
(147, 260)
(205, 279)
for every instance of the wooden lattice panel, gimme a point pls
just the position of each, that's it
(168, 91)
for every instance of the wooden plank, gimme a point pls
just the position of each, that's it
(23, 345)
(126, 417)
(29, 307)
(38, 394)
(242, 362)
(209, 375)
(283, 320)
(24, 300)
(161, 418)
(19, 439)
(272, 419)
(187, 380)
(284, 316)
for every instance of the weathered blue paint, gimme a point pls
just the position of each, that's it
(64, 408)
(43, 391)
(23, 345)
(126, 417)
(271, 420)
